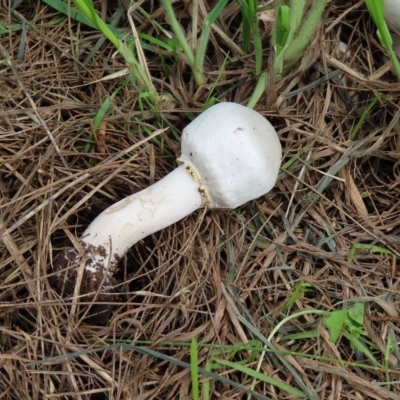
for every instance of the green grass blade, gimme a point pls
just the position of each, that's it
(155, 41)
(370, 247)
(390, 347)
(282, 28)
(152, 353)
(263, 378)
(302, 335)
(284, 31)
(208, 21)
(258, 49)
(210, 99)
(301, 288)
(101, 113)
(114, 20)
(194, 369)
(365, 115)
(259, 90)
(64, 8)
(250, 26)
(297, 8)
(246, 26)
(87, 8)
(203, 371)
(169, 11)
(356, 343)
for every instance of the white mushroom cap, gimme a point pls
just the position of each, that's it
(233, 152)
(392, 13)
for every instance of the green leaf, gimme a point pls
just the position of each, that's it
(356, 313)
(334, 321)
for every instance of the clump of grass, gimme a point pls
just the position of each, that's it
(195, 53)
(294, 28)
(132, 53)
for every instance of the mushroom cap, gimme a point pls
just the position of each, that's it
(392, 12)
(234, 152)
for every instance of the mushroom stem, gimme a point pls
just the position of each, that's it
(123, 224)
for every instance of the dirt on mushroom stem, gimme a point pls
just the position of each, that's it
(97, 285)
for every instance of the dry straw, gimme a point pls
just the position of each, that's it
(222, 277)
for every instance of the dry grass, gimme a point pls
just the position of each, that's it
(208, 274)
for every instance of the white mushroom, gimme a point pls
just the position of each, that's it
(230, 155)
(392, 13)
(392, 16)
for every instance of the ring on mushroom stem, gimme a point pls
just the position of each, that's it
(230, 155)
